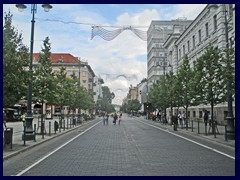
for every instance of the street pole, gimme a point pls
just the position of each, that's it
(29, 135)
(164, 108)
(229, 118)
(29, 132)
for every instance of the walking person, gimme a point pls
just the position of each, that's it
(205, 117)
(119, 119)
(106, 118)
(23, 117)
(115, 117)
(180, 119)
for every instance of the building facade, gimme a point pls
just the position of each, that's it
(157, 34)
(208, 28)
(74, 65)
(97, 88)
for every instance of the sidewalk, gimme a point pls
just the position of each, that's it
(200, 133)
(18, 144)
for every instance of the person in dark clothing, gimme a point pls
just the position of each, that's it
(205, 117)
(175, 121)
(115, 117)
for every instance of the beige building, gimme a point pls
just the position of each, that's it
(81, 69)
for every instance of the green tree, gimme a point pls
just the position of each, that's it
(186, 79)
(43, 76)
(211, 77)
(105, 104)
(15, 61)
(134, 105)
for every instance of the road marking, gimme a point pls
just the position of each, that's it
(40, 160)
(207, 147)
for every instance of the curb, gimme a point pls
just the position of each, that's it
(38, 143)
(207, 138)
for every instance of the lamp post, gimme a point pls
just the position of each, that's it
(229, 118)
(164, 65)
(29, 132)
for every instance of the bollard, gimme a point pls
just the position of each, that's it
(24, 135)
(11, 138)
(35, 127)
(42, 130)
(198, 128)
(214, 130)
(192, 125)
(64, 124)
(225, 132)
(67, 122)
(50, 128)
(206, 129)
(56, 126)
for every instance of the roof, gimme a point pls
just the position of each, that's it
(59, 58)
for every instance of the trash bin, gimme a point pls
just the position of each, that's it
(8, 134)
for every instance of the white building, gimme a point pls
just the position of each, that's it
(207, 28)
(157, 33)
(97, 88)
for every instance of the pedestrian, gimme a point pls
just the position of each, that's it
(120, 118)
(159, 116)
(115, 117)
(175, 121)
(106, 116)
(183, 118)
(23, 117)
(205, 117)
(4, 124)
(180, 118)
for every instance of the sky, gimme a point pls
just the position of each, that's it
(69, 28)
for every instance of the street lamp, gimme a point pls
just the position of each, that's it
(165, 64)
(29, 132)
(229, 118)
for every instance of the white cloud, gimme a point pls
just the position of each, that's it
(119, 56)
(191, 11)
(143, 18)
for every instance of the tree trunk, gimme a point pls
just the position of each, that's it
(212, 120)
(42, 124)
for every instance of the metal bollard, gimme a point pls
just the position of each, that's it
(67, 122)
(35, 127)
(226, 133)
(42, 130)
(198, 128)
(49, 128)
(206, 129)
(214, 130)
(64, 124)
(24, 135)
(192, 125)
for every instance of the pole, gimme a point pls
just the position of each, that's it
(229, 118)
(29, 133)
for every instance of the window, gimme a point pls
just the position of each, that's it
(200, 114)
(84, 73)
(200, 36)
(183, 50)
(188, 46)
(180, 55)
(194, 114)
(193, 41)
(206, 29)
(230, 10)
(215, 22)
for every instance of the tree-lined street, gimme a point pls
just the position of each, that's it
(136, 147)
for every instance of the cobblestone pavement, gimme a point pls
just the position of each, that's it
(135, 148)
